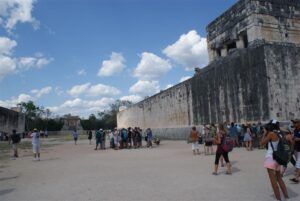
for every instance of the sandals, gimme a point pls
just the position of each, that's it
(215, 173)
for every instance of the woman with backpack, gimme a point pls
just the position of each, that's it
(219, 140)
(273, 168)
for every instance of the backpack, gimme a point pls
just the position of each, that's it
(227, 144)
(283, 153)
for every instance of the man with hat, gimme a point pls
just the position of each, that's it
(296, 123)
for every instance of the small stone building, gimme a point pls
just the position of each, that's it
(11, 119)
(72, 123)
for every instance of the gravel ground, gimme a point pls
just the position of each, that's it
(169, 172)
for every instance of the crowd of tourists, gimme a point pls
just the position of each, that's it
(120, 138)
(282, 145)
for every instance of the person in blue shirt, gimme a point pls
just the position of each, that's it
(75, 136)
(234, 134)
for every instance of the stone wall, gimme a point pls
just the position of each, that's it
(232, 89)
(283, 62)
(169, 109)
(249, 85)
(10, 120)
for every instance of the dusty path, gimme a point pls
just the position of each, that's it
(168, 172)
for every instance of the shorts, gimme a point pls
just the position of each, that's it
(298, 160)
(36, 148)
(195, 146)
(14, 146)
(75, 138)
(270, 163)
(208, 143)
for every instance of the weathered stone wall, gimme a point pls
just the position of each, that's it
(168, 109)
(283, 66)
(232, 89)
(253, 75)
(10, 120)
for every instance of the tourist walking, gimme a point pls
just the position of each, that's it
(36, 143)
(90, 136)
(296, 123)
(75, 136)
(15, 139)
(130, 137)
(98, 137)
(209, 138)
(289, 139)
(233, 133)
(248, 138)
(103, 139)
(194, 134)
(220, 139)
(149, 136)
(273, 168)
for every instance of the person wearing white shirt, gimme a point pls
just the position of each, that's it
(36, 144)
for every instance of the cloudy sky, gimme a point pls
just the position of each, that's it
(79, 56)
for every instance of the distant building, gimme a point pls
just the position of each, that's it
(71, 123)
(10, 119)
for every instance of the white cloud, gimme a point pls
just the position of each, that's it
(190, 50)
(145, 88)
(58, 91)
(78, 89)
(26, 63)
(40, 92)
(7, 66)
(169, 86)
(81, 72)
(82, 107)
(11, 65)
(13, 12)
(103, 90)
(184, 78)
(132, 98)
(151, 67)
(15, 100)
(6, 45)
(112, 66)
(93, 90)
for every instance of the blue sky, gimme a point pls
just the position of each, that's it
(79, 56)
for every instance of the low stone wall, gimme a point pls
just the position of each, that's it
(80, 132)
(173, 133)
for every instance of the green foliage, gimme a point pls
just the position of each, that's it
(38, 117)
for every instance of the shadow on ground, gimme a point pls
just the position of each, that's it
(6, 191)
(8, 178)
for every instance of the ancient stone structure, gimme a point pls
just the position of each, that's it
(10, 119)
(253, 74)
(71, 123)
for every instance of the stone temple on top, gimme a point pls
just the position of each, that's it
(252, 75)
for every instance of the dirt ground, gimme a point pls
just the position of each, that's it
(169, 172)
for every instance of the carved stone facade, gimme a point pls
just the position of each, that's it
(254, 22)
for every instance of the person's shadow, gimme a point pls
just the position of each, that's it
(6, 191)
